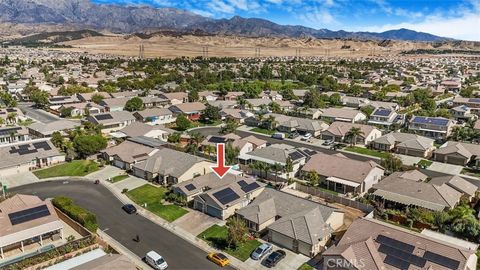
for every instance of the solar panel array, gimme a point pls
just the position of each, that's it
(250, 187)
(242, 183)
(25, 149)
(428, 120)
(382, 112)
(226, 195)
(216, 139)
(441, 260)
(103, 117)
(7, 131)
(28, 214)
(307, 152)
(296, 155)
(190, 187)
(476, 100)
(11, 110)
(407, 257)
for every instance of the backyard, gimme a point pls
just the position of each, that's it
(216, 236)
(153, 196)
(425, 163)
(74, 168)
(366, 151)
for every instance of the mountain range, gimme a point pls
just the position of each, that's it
(83, 14)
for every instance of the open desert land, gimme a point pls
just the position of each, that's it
(191, 46)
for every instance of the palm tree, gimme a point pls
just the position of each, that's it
(353, 133)
(276, 167)
(12, 118)
(272, 122)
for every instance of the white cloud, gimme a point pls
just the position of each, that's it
(220, 6)
(202, 12)
(466, 27)
(318, 18)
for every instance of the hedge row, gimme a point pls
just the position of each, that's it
(77, 213)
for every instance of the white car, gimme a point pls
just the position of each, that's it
(261, 251)
(307, 137)
(156, 261)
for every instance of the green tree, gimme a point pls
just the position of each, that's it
(134, 104)
(210, 114)
(367, 110)
(86, 145)
(276, 168)
(229, 126)
(174, 137)
(468, 91)
(183, 123)
(391, 163)
(57, 139)
(97, 98)
(335, 99)
(231, 154)
(313, 178)
(237, 232)
(353, 134)
(275, 107)
(66, 111)
(193, 96)
(40, 98)
(289, 165)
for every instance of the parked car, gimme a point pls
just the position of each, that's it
(218, 258)
(274, 258)
(261, 251)
(156, 261)
(278, 135)
(306, 137)
(328, 142)
(129, 208)
(293, 135)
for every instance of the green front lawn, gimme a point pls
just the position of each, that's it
(425, 163)
(119, 178)
(305, 266)
(366, 151)
(74, 168)
(471, 172)
(216, 236)
(153, 196)
(263, 131)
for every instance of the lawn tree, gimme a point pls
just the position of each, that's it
(229, 126)
(313, 178)
(183, 123)
(174, 137)
(335, 99)
(289, 166)
(40, 99)
(86, 145)
(391, 163)
(66, 112)
(367, 110)
(237, 232)
(209, 149)
(134, 104)
(210, 114)
(231, 154)
(275, 107)
(352, 135)
(57, 139)
(97, 98)
(276, 168)
(271, 122)
(193, 96)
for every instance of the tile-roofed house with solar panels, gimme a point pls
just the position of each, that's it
(13, 134)
(342, 174)
(26, 219)
(223, 200)
(433, 127)
(385, 117)
(375, 245)
(271, 155)
(298, 224)
(112, 121)
(25, 156)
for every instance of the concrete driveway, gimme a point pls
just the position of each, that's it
(19, 179)
(291, 261)
(196, 222)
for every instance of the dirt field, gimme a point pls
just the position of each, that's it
(191, 46)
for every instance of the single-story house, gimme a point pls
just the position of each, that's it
(193, 110)
(112, 121)
(138, 129)
(342, 174)
(168, 167)
(45, 130)
(343, 115)
(114, 104)
(175, 98)
(433, 127)
(13, 134)
(338, 132)
(458, 153)
(155, 116)
(405, 144)
(236, 114)
(127, 153)
(302, 125)
(295, 223)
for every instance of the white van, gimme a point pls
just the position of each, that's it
(156, 261)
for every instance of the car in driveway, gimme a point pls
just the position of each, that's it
(274, 258)
(307, 137)
(328, 142)
(129, 208)
(218, 258)
(261, 251)
(293, 135)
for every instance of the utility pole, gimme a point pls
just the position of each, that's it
(257, 52)
(297, 52)
(141, 51)
(205, 51)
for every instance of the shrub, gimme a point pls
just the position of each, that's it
(77, 213)
(409, 223)
(125, 190)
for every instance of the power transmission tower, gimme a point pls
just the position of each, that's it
(297, 52)
(257, 52)
(141, 53)
(205, 51)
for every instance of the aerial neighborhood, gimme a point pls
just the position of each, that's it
(309, 163)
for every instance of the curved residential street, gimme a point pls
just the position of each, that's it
(179, 253)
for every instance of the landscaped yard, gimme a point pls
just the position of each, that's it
(153, 196)
(305, 266)
(216, 236)
(471, 172)
(74, 168)
(263, 131)
(119, 178)
(366, 151)
(425, 163)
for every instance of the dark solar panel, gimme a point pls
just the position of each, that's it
(382, 239)
(427, 120)
(476, 100)
(22, 149)
(44, 145)
(215, 139)
(28, 214)
(396, 262)
(7, 131)
(250, 187)
(11, 110)
(103, 117)
(441, 260)
(404, 256)
(226, 195)
(382, 112)
(295, 155)
(190, 187)
(242, 183)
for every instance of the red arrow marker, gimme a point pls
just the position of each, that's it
(220, 169)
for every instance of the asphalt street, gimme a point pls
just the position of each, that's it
(37, 114)
(179, 253)
(215, 131)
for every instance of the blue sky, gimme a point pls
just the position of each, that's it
(450, 18)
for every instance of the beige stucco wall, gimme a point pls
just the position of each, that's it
(200, 168)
